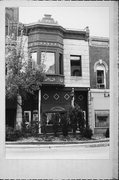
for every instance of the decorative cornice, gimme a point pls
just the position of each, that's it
(99, 41)
(43, 43)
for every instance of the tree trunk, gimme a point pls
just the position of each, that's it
(39, 110)
(19, 113)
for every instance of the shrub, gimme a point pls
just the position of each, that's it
(30, 129)
(55, 120)
(64, 124)
(12, 134)
(107, 133)
(76, 118)
(87, 132)
(34, 128)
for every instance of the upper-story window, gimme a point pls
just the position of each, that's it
(75, 64)
(100, 69)
(34, 59)
(48, 61)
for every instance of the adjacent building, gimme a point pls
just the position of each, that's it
(99, 84)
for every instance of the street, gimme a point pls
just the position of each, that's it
(56, 152)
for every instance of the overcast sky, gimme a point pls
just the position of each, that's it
(97, 18)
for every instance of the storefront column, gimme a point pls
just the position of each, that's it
(39, 110)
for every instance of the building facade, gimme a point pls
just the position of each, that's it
(65, 57)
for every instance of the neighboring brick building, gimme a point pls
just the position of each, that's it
(99, 84)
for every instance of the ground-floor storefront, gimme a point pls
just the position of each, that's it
(51, 100)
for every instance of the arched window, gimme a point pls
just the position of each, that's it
(100, 68)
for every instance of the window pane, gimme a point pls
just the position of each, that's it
(48, 60)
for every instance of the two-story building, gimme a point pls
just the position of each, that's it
(99, 84)
(64, 54)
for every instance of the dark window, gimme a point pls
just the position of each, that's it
(60, 63)
(100, 76)
(75, 63)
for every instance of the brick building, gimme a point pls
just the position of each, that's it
(99, 84)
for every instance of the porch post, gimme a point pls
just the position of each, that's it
(39, 110)
(72, 97)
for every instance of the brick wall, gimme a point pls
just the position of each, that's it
(96, 53)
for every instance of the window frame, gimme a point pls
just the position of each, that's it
(101, 65)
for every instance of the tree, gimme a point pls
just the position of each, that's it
(21, 78)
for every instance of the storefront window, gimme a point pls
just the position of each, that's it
(48, 61)
(102, 118)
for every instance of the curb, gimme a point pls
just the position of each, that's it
(90, 143)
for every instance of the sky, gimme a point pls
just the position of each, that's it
(97, 18)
